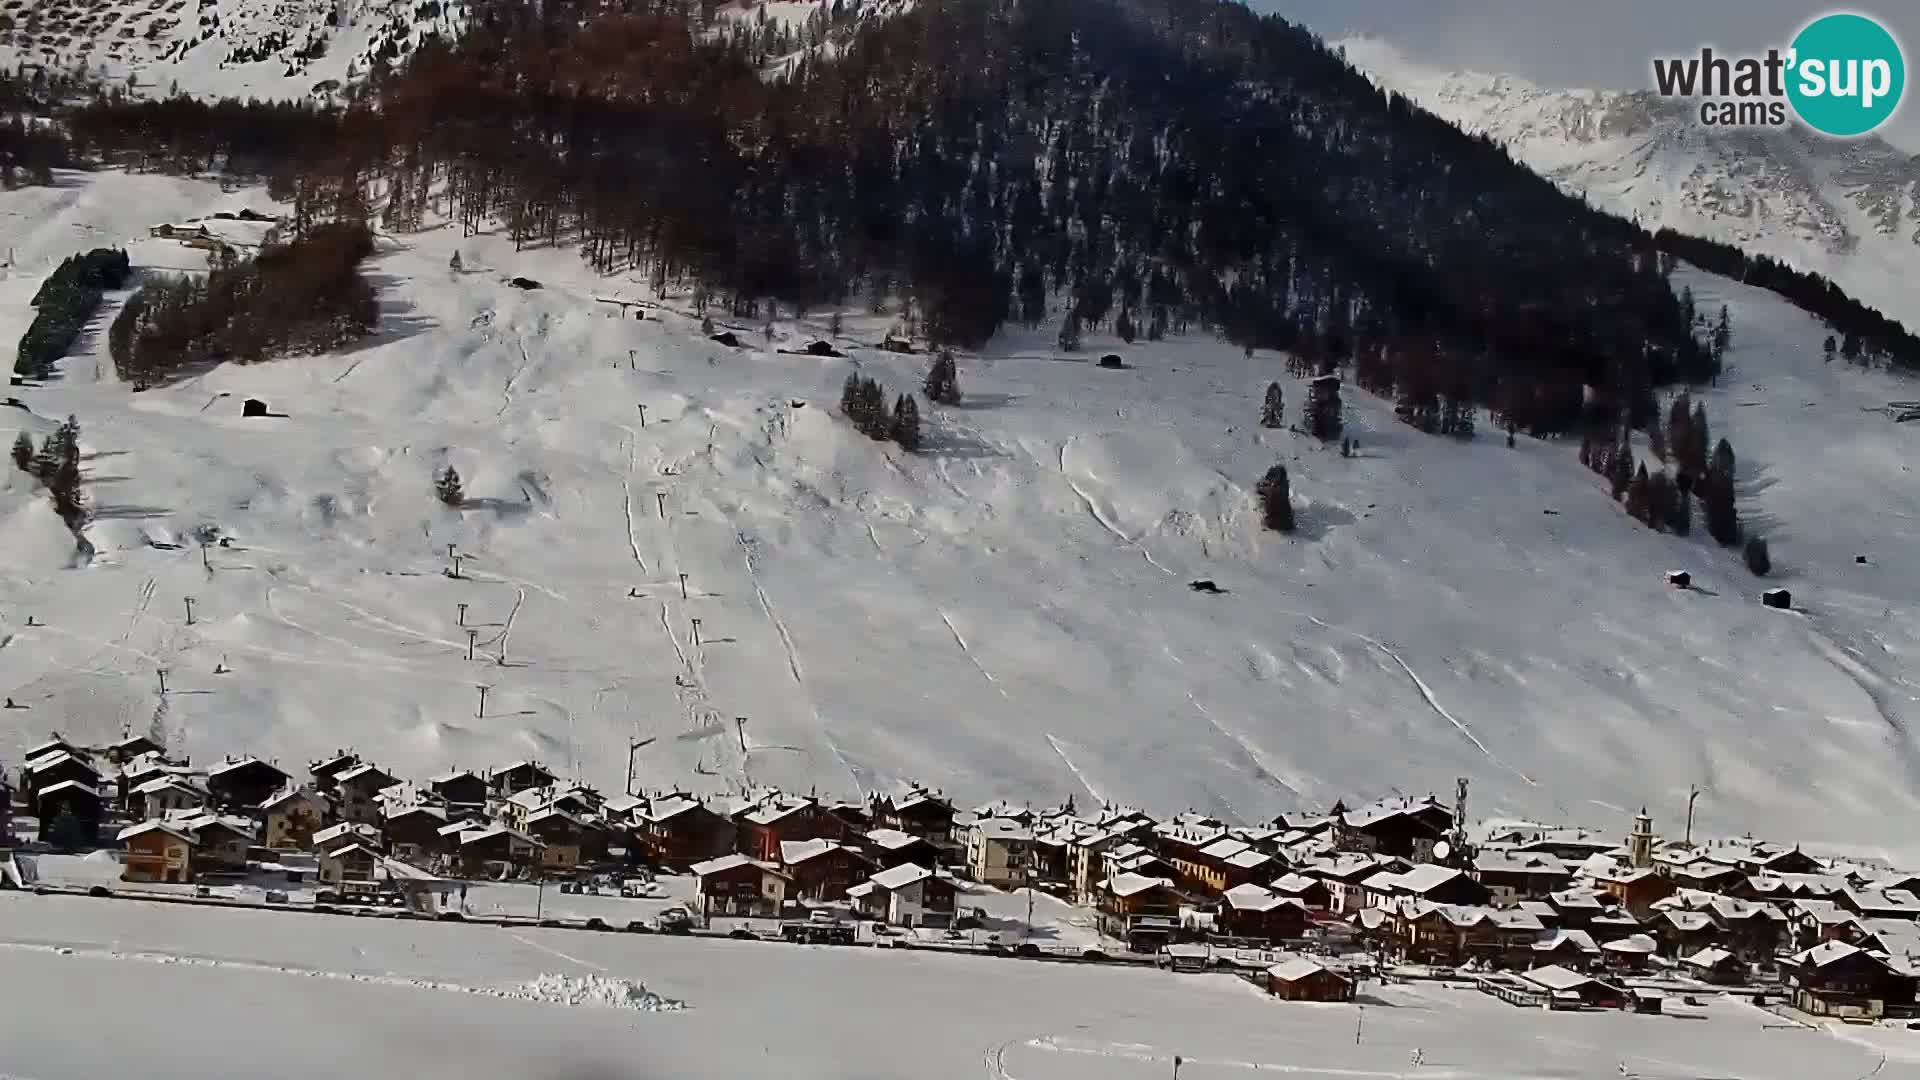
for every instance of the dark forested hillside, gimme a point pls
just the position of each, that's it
(1148, 165)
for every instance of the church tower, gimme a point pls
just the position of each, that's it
(1640, 841)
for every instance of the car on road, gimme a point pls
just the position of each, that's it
(674, 920)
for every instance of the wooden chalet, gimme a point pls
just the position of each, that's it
(413, 833)
(1716, 966)
(1404, 827)
(677, 831)
(1429, 882)
(908, 895)
(1682, 933)
(244, 782)
(919, 811)
(166, 794)
(1846, 982)
(53, 769)
(461, 790)
(1635, 888)
(157, 851)
(560, 834)
(1301, 979)
(347, 832)
(512, 779)
(1573, 949)
(292, 816)
(495, 851)
(356, 793)
(763, 828)
(1512, 876)
(70, 799)
(221, 842)
(131, 747)
(326, 770)
(350, 869)
(740, 887)
(1142, 911)
(1250, 911)
(823, 870)
(1565, 988)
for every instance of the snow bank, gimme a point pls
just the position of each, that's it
(597, 991)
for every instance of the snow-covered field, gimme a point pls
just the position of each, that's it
(1005, 614)
(297, 996)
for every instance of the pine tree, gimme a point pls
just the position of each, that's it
(1070, 333)
(1660, 500)
(943, 380)
(905, 425)
(1123, 326)
(1723, 521)
(1698, 439)
(1657, 440)
(834, 324)
(454, 264)
(1759, 560)
(1830, 348)
(1622, 463)
(1270, 412)
(1346, 448)
(1680, 511)
(62, 450)
(447, 487)
(1639, 497)
(1586, 450)
(1723, 333)
(1323, 408)
(23, 452)
(1276, 500)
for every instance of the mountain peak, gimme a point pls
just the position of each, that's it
(1847, 209)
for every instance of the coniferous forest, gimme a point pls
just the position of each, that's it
(1161, 165)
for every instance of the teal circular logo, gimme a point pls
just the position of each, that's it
(1847, 75)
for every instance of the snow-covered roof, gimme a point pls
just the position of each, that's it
(488, 832)
(461, 828)
(1559, 979)
(396, 812)
(1420, 880)
(1225, 848)
(165, 783)
(771, 812)
(1250, 898)
(1134, 884)
(351, 849)
(721, 865)
(1687, 922)
(1555, 939)
(1299, 967)
(793, 852)
(1707, 958)
(669, 807)
(861, 891)
(68, 785)
(891, 839)
(364, 771)
(237, 764)
(291, 792)
(623, 804)
(200, 821)
(1293, 884)
(901, 876)
(1632, 944)
(346, 829)
(1517, 862)
(1249, 859)
(51, 761)
(1001, 829)
(156, 825)
(1825, 953)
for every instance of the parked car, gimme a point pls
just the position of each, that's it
(822, 917)
(643, 890)
(275, 896)
(673, 920)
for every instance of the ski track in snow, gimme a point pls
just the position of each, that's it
(1099, 515)
(977, 665)
(1254, 757)
(626, 504)
(1426, 692)
(786, 639)
(1072, 768)
(551, 951)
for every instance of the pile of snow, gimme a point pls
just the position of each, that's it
(598, 991)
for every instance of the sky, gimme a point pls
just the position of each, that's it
(1583, 43)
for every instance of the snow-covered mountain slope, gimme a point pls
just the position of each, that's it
(1849, 210)
(1004, 614)
(245, 48)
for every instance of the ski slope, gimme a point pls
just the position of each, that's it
(1004, 614)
